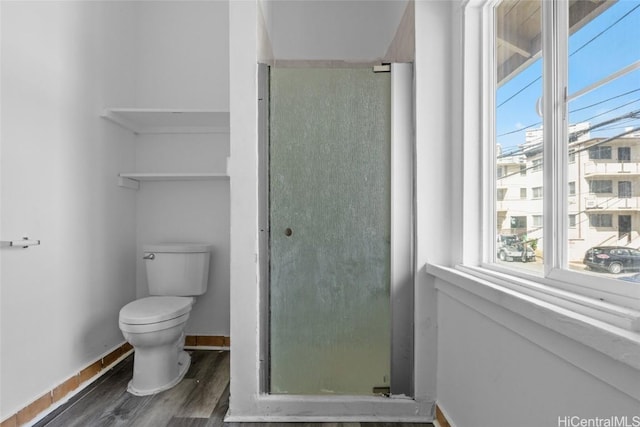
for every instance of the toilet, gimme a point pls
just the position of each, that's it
(154, 326)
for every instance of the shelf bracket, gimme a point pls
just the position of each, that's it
(129, 183)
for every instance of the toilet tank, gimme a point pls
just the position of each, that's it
(177, 269)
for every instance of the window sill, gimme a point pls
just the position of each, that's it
(607, 328)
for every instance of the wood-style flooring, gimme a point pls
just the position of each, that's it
(200, 400)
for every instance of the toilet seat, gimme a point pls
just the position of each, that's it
(154, 313)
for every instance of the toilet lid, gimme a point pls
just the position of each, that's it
(154, 309)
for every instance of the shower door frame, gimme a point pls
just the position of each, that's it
(402, 261)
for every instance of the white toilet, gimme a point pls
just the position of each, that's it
(154, 326)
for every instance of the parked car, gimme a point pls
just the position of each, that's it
(511, 248)
(507, 239)
(615, 259)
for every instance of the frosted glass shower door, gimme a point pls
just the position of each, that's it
(329, 231)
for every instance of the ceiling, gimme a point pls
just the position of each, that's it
(362, 30)
(348, 30)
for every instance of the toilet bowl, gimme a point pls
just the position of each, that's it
(154, 326)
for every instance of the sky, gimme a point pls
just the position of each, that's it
(592, 57)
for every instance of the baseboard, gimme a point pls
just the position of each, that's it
(213, 342)
(53, 398)
(441, 420)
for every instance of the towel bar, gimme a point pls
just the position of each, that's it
(24, 243)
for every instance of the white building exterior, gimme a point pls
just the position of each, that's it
(603, 193)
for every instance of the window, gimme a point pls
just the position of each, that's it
(601, 186)
(536, 220)
(518, 223)
(598, 152)
(600, 220)
(523, 193)
(536, 192)
(536, 165)
(523, 170)
(624, 154)
(518, 73)
(624, 189)
(500, 171)
(505, 55)
(565, 100)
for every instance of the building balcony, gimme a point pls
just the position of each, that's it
(593, 169)
(611, 204)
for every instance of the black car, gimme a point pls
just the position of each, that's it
(615, 259)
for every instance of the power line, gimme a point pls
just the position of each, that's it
(518, 92)
(613, 109)
(534, 148)
(620, 135)
(603, 101)
(623, 122)
(603, 31)
(580, 109)
(519, 130)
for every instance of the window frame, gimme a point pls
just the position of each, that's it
(563, 285)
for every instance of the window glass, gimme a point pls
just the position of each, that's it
(518, 130)
(600, 186)
(598, 152)
(600, 220)
(604, 132)
(624, 189)
(536, 192)
(537, 221)
(603, 129)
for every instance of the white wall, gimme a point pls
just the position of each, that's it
(491, 375)
(188, 211)
(243, 169)
(433, 156)
(182, 62)
(182, 54)
(61, 63)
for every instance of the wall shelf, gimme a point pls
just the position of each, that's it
(158, 120)
(132, 180)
